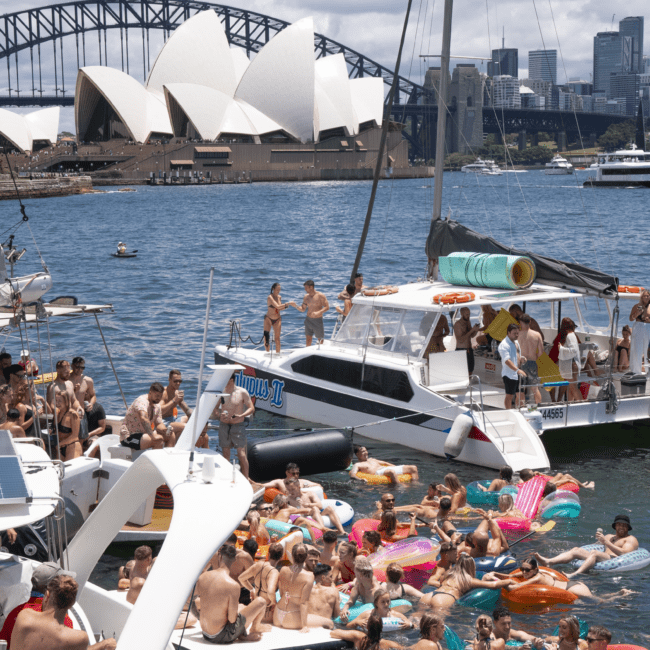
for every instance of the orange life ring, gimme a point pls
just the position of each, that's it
(539, 595)
(270, 494)
(453, 297)
(384, 290)
(622, 288)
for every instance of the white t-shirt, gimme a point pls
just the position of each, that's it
(508, 350)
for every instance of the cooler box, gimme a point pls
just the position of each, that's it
(633, 384)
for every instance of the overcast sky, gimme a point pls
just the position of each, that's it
(373, 28)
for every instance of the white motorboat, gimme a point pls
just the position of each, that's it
(558, 166)
(482, 167)
(623, 168)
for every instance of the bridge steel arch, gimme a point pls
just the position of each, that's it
(24, 32)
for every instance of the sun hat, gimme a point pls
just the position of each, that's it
(623, 519)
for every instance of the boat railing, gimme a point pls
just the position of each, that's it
(475, 379)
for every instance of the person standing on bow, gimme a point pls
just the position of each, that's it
(464, 331)
(272, 318)
(315, 303)
(640, 319)
(511, 374)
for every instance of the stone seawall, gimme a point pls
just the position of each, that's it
(41, 188)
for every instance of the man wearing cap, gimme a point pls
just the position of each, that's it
(47, 629)
(42, 574)
(615, 545)
(30, 366)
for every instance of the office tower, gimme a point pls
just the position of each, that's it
(504, 62)
(625, 87)
(608, 58)
(542, 64)
(632, 27)
(505, 91)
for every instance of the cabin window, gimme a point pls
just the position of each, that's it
(386, 382)
(355, 325)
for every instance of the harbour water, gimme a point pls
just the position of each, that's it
(255, 235)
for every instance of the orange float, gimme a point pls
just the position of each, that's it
(539, 595)
(375, 479)
(453, 297)
(270, 494)
(623, 288)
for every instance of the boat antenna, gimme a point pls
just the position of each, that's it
(200, 382)
(432, 271)
(382, 146)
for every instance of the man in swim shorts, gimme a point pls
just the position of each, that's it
(324, 600)
(503, 629)
(532, 348)
(222, 619)
(367, 465)
(232, 412)
(143, 426)
(615, 545)
(464, 331)
(315, 303)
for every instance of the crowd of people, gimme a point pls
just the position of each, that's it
(254, 582)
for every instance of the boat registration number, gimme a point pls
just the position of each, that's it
(553, 413)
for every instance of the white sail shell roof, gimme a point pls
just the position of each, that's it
(279, 81)
(44, 124)
(15, 128)
(240, 61)
(368, 99)
(197, 52)
(333, 95)
(141, 112)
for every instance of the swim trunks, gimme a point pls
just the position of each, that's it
(231, 632)
(398, 468)
(512, 386)
(232, 435)
(133, 441)
(314, 327)
(532, 375)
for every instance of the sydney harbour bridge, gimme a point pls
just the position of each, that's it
(42, 49)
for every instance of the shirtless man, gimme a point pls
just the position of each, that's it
(448, 557)
(615, 545)
(223, 620)
(517, 312)
(359, 286)
(300, 499)
(428, 508)
(142, 563)
(282, 511)
(173, 398)
(488, 315)
(295, 584)
(242, 560)
(328, 552)
(368, 465)
(261, 579)
(386, 502)
(363, 588)
(11, 424)
(532, 348)
(231, 412)
(46, 630)
(292, 471)
(558, 480)
(503, 629)
(63, 384)
(464, 331)
(142, 426)
(324, 599)
(315, 303)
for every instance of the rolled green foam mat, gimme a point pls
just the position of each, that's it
(484, 270)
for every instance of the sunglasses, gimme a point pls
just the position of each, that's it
(592, 640)
(177, 381)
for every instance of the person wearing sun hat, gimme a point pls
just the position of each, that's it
(615, 545)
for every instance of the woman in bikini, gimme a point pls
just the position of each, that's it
(457, 582)
(622, 352)
(272, 319)
(432, 631)
(369, 640)
(568, 637)
(529, 570)
(382, 609)
(456, 491)
(343, 573)
(67, 424)
(295, 584)
(394, 585)
(392, 531)
(505, 478)
(261, 579)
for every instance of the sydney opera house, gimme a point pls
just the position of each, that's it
(29, 132)
(207, 109)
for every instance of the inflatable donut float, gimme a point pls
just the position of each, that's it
(539, 596)
(485, 599)
(401, 605)
(633, 561)
(416, 552)
(513, 523)
(374, 479)
(271, 493)
(561, 503)
(476, 496)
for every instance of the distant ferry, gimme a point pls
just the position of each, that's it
(623, 168)
(483, 167)
(558, 166)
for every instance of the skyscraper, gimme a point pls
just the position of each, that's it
(632, 27)
(542, 64)
(608, 59)
(504, 62)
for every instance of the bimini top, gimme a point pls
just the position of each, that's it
(51, 310)
(447, 236)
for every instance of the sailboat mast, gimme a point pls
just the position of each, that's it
(442, 124)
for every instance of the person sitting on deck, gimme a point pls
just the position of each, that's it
(324, 601)
(143, 426)
(615, 545)
(261, 579)
(347, 302)
(367, 465)
(47, 629)
(173, 400)
(223, 620)
(622, 352)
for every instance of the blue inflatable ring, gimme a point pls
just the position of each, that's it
(638, 559)
(485, 599)
(501, 563)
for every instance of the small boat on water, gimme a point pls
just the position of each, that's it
(127, 254)
(622, 168)
(482, 167)
(558, 166)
